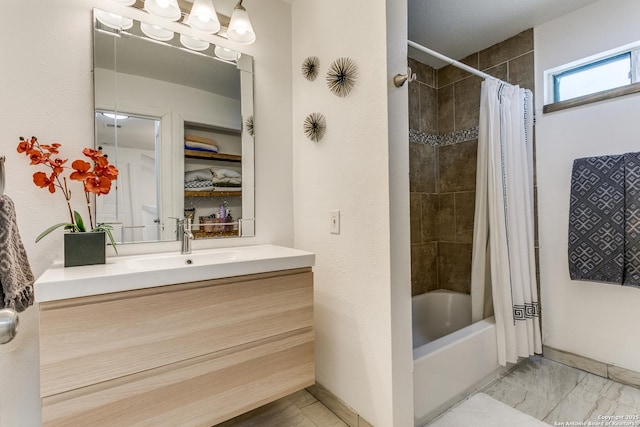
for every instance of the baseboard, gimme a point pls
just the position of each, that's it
(606, 370)
(337, 406)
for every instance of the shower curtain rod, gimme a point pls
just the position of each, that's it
(453, 62)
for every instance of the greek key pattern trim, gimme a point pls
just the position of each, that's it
(526, 311)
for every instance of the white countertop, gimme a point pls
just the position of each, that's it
(147, 271)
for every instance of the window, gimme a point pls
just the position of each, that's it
(594, 77)
(601, 74)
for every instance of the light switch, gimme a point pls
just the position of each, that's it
(334, 222)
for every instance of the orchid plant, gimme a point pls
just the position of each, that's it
(96, 178)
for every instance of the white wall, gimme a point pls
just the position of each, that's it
(48, 91)
(590, 319)
(357, 357)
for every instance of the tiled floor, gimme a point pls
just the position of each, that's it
(300, 409)
(558, 394)
(546, 390)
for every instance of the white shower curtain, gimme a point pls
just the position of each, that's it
(503, 238)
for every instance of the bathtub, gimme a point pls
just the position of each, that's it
(447, 365)
(438, 313)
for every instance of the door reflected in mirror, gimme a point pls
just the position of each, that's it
(184, 118)
(132, 210)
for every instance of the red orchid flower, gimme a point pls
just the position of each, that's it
(93, 154)
(98, 185)
(38, 157)
(52, 149)
(57, 165)
(26, 146)
(81, 170)
(42, 180)
(96, 175)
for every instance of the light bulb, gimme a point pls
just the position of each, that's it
(114, 21)
(226, 53)
(240, 29)
(193, 43)
(203, 17)
(116, 116)
(166, 9)
(156, 32)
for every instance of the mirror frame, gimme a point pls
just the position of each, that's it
(170, 156)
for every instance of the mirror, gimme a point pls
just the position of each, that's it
(178, 125)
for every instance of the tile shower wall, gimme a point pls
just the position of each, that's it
(444, 108)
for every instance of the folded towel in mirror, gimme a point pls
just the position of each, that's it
(225, 173)
(232, 181)
(191, 145)
(199, 186)
(200, 139)
(198, 175)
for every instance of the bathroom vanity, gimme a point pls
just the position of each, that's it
(167, 340)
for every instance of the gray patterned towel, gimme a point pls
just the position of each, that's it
(596, 219)
(16, 278)
(632, 219)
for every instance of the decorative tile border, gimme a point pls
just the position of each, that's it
(419, 137)
(455, 137)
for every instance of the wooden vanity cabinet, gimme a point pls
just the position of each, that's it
(191, 354)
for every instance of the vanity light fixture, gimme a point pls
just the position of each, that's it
(240, 29)
(113, 20)
(156, 32)
(226, 53)
(115, 116)
(193, 43)
(167, 9)
(203, 17)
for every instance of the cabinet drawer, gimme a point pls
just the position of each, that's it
(96, 339)
(201, 392)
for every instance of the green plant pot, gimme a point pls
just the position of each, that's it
(84, 248)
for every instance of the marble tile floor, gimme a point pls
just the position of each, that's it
(560, 395)
(549, 391)
(299, 409)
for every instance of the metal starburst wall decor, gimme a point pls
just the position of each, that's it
(315, 126)
(310, 68)
(248, 124)
(341, 76)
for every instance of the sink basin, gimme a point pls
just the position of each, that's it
(179, 260)
(147, 271)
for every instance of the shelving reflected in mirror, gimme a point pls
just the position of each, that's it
(172, 120)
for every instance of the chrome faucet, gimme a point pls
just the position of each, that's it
(183, 231)
(187, 236)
